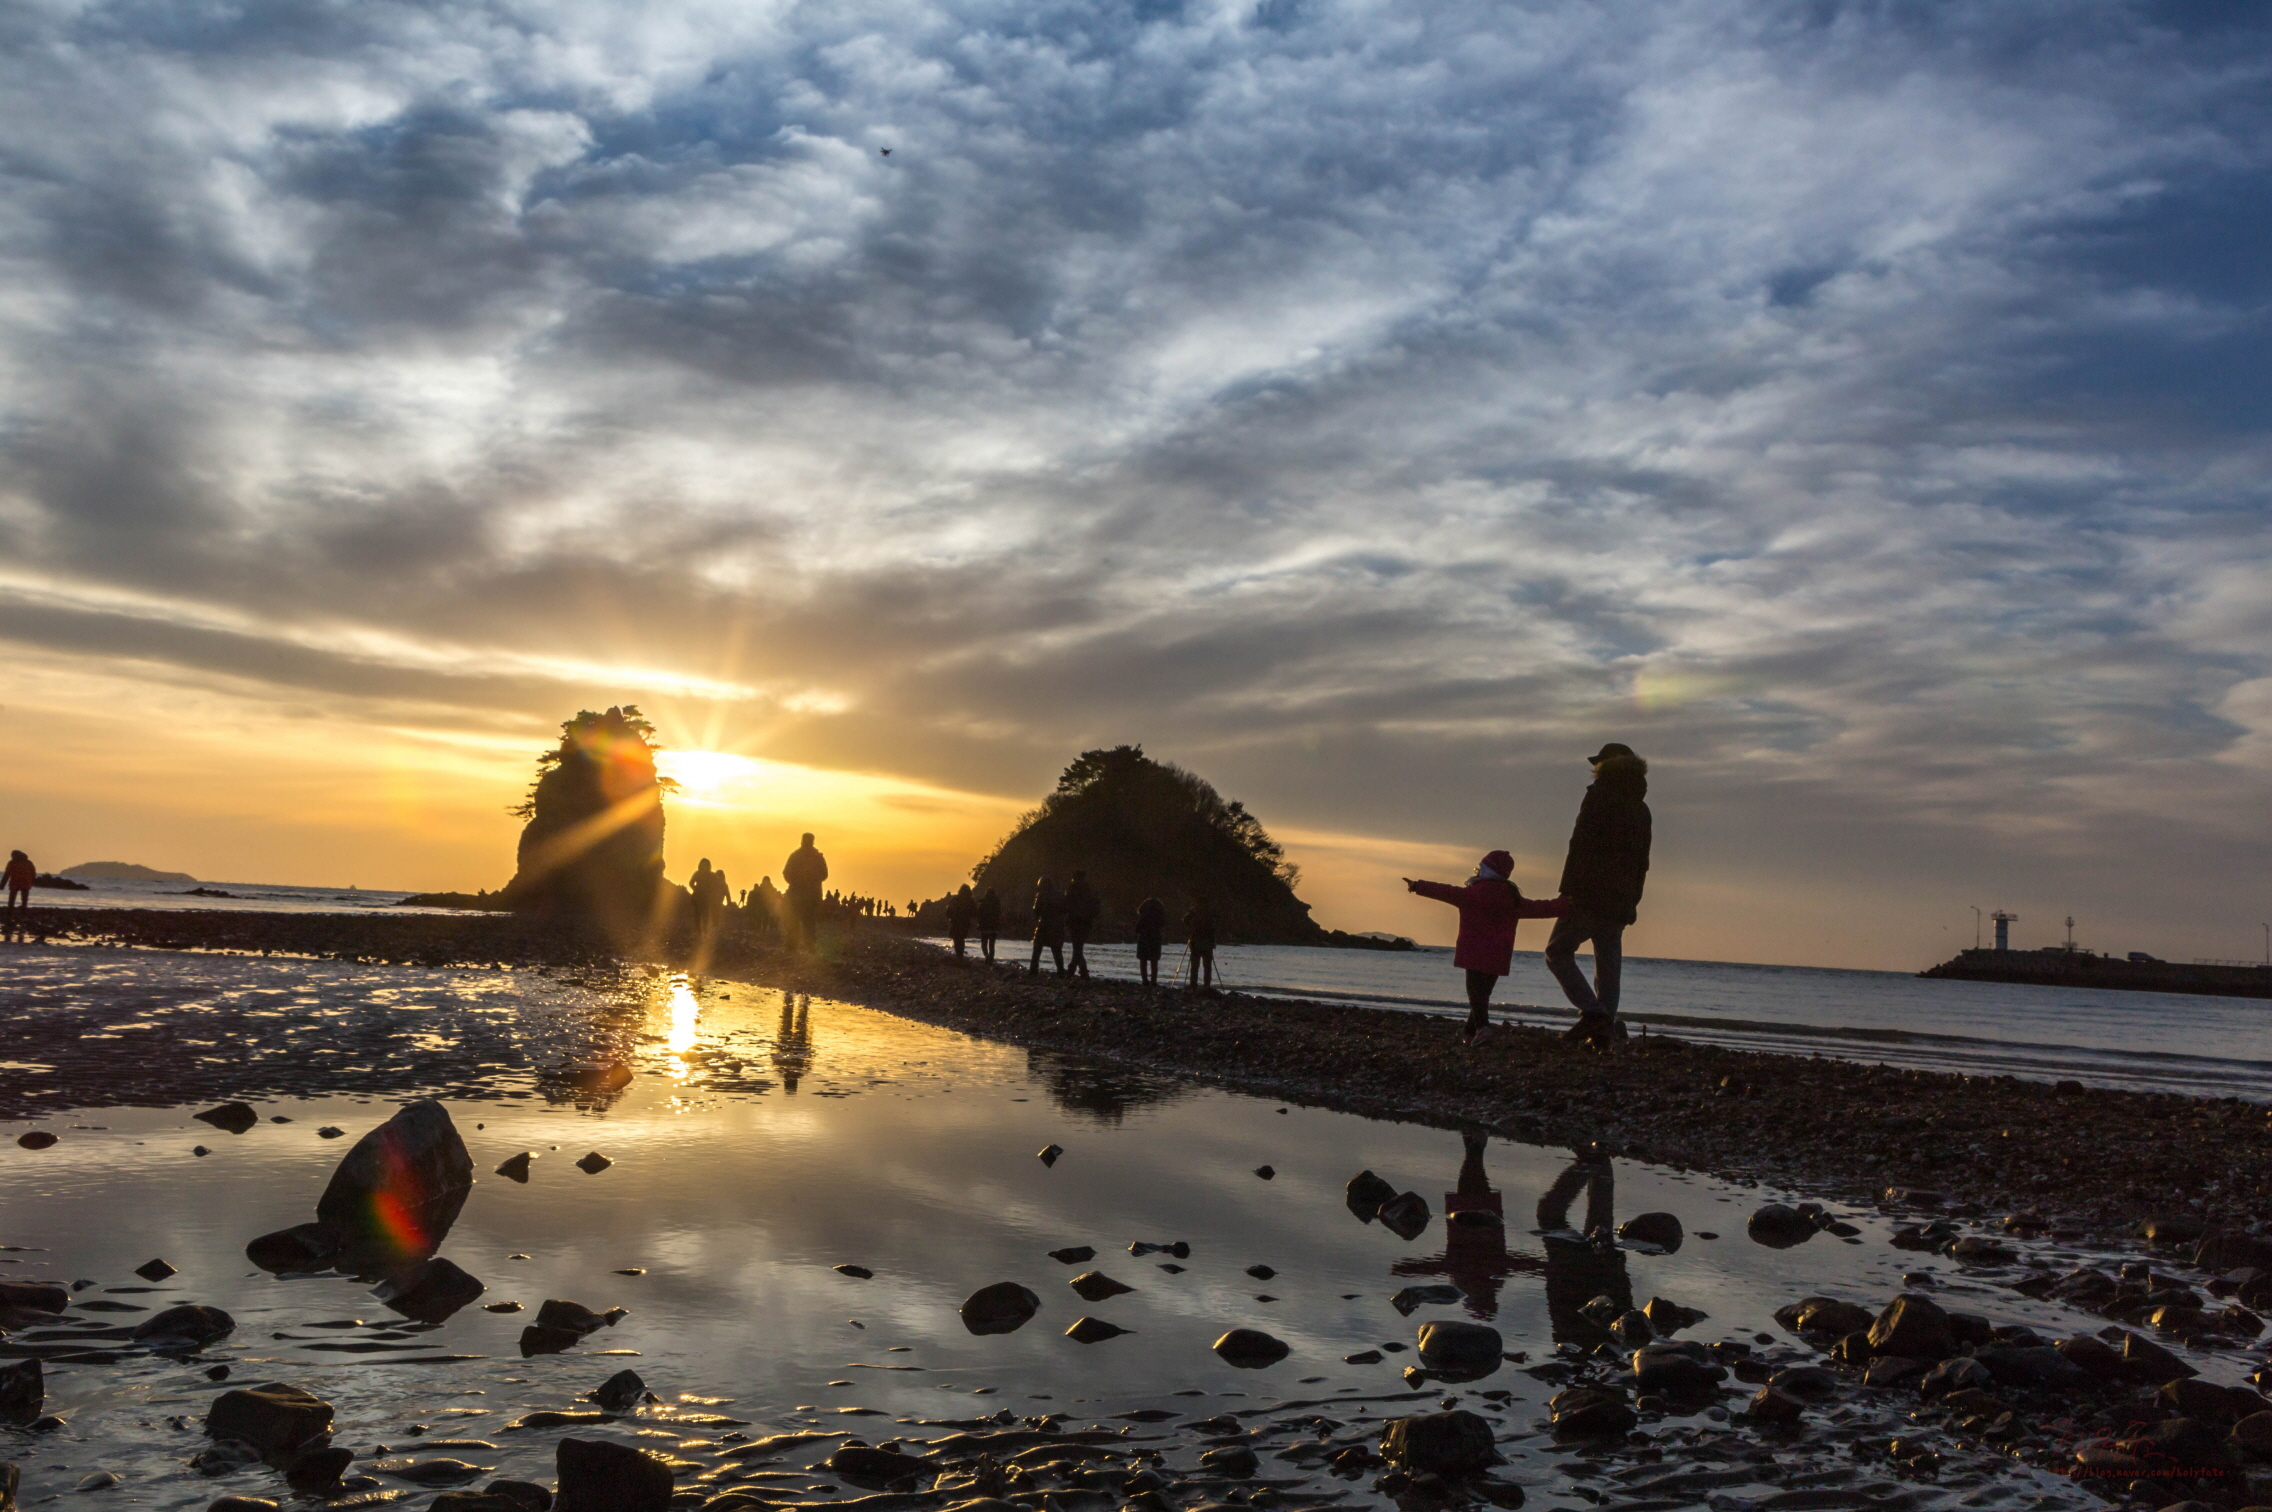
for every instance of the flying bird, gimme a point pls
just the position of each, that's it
(886, 151)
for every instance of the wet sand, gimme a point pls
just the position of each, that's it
(2081, 1159)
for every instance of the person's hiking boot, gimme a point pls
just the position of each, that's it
(1594, 1028)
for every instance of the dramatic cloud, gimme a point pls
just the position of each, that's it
(1861, 407)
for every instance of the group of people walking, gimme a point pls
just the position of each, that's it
(1068, 916)
(1599, 898)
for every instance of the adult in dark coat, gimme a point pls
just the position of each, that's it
(1082, 906)
(989, 923)
(804, 871)
(962, 908)
(1601, 881)
(1048, 925)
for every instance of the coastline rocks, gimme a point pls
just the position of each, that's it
(1589, 1412)
(516, 1167)
(399, 1188)
(1405, 1215)
(873, 1469)
(1365, 1194)
(1096, 1286)
(1073, 1254)
(1914, 1328)
(560, 1325)
(2144, 1360)
(1412, 1298)
(2094, 1356)
(223, 1504)
(155, 1270)
(1631, 1329)
(1004, 1307)
(234, 1117)
(1676, 1370)
(33, 1296)
(1960, 1374)
(1825, 1315)
(23, 1391)
(431, 1292)
(187, 1326)
(301, 1248)
(593, 1163)
(599, 1476)
(1093, 1331)
(276, 1418)
(1779, 1227)
(1660, 1229)
(36, 1139)
(1048, 1154)
(1235, 1461)
(2039, 1366)
(1250, 1349)
(1670, 1317)
(1459, 1351)
(620, 1392)
(1450, 1444)
(318, 1468)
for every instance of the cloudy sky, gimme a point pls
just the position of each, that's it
(1860, 408)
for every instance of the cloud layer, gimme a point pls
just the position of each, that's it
(1862, 407)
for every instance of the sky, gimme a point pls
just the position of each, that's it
(1861, 409)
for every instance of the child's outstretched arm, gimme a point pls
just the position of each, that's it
(1442, 892)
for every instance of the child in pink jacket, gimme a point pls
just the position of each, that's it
(1489, 908)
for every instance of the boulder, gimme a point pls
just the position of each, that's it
(2144, 1360)
(431, 1292)
(1413, 1298)
(1960, 1374)
(1250, 1349)
(23, 1391)
(1004, 1307)
(1779, 1227)
(234, 1117)
(2192, 1397)
(2230, 1252)
(301, 1248)
(536, 1340)
(1825, 1315)
(1096, 1286)
(155, 1270)
(1631, 1329)
(572, 1317)
(1235, 1461)
(1772, 1404)
(1676, 1370)
(1073, 1254)
(1449, 1444)
(2100, 1360)
(1366, 1193)
(593, 1162)
(2254, 1434)
(1913, 1327)
(597, 1475)
(188, 1324)
(620, 1392)
(1405, 1215)
(37, 1139)
(1093, 1331)
(1660, 1229)
(1670, 1317)
(2037, 1366)
(873, 1468)
(2171, 1232)
(34, 1296)
(1809, 1383)
(276, 1418)
(1583, 1412)
(318, 1468)
(1460, 1351)
(399, 1188)
(1891, 1370)
(516, 1167)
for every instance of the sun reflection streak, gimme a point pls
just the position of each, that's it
(686, 1008)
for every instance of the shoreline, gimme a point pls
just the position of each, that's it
(2077, 1159)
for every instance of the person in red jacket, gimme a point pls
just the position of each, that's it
(1489, 908)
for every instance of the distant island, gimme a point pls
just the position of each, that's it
(121, 871)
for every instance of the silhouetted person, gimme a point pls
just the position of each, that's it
(1581, 1267)
(1489, 907)
(989, 923)
(761, 907)
(1601, 881)
(793, 1043)
(1048, 926)
(1082, 905)
(1151, 932)
(19, 874)
(709, 891)
(961, 909)
(1475, 1258)
(1199, 934)
(804, 871)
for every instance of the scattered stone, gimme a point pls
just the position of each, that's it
(1413, 1298)
(1974, 1250)
(154, 1270)
(2171, 1232)
(1670, 1317)
(864, 1466)
(1265, 1172)
(1460, 1351)
(856, 1272)
(34, 1296)
(1824, 1315)
(1585, 1412)
(331, 1131)
(199, 1151)
(2147, 1361)
(318, 1468)
(1260, 1272)
(23, 1391)
(1660, 1229)
(2039, 1367)
(1961, 1374)
(234, 1117)
(1450, 1444)
(501, 1307)
(431, 1292)
(187, 1325)
(593, 1163)
(1779, 1227)
(1681, 1371)
(37, 1139)
(1774, 1406)
(516, 1167)
(1049, 1153)
(1914, 1328)
(1366, 1193)
(1891, 1370)
(1405, 1215)
(1235, 1461)
(1073, 1254)
(1004, 1307)
(1096, 1286)
(228, 1504)
(302, 1248)
(620, 1392)
(1250, 1349)
(276, 1418)
(1631, 1329)
(1362, 1357)
(100, 1480)
(1181, 1249)
(2096, 1356)
(1093, 1331)
(598, 1476)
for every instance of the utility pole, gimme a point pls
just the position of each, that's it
(1976, 929)
(2070, 934)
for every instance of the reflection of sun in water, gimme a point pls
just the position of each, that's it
(686, 1008)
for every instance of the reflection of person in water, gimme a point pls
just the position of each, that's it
(1582, 1266)
(793, 1041)
(1475, 1257)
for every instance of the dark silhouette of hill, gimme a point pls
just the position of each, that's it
(593, 844)
(1142, 828)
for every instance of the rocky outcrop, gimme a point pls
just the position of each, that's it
(593, 843)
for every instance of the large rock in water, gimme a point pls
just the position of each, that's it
(1460, 1351)
(276, 1418)
(393, 1198)
(1914, 1328)
(23, 1391)
(599, 1476)
(1004, 1307)
(1440, 1443)
(430, 1293)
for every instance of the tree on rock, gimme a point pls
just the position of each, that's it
(1142, 828)
(593, 844)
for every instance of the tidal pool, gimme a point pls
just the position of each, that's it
(767, 1139)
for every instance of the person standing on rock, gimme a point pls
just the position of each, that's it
(1082, 905)
(961, 909)
(1151, 931)
(1199, 935)
(1601, 881)
(1489, 908)
(1048, 925)
(19, 874)
(804, 871)
(989, 923)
